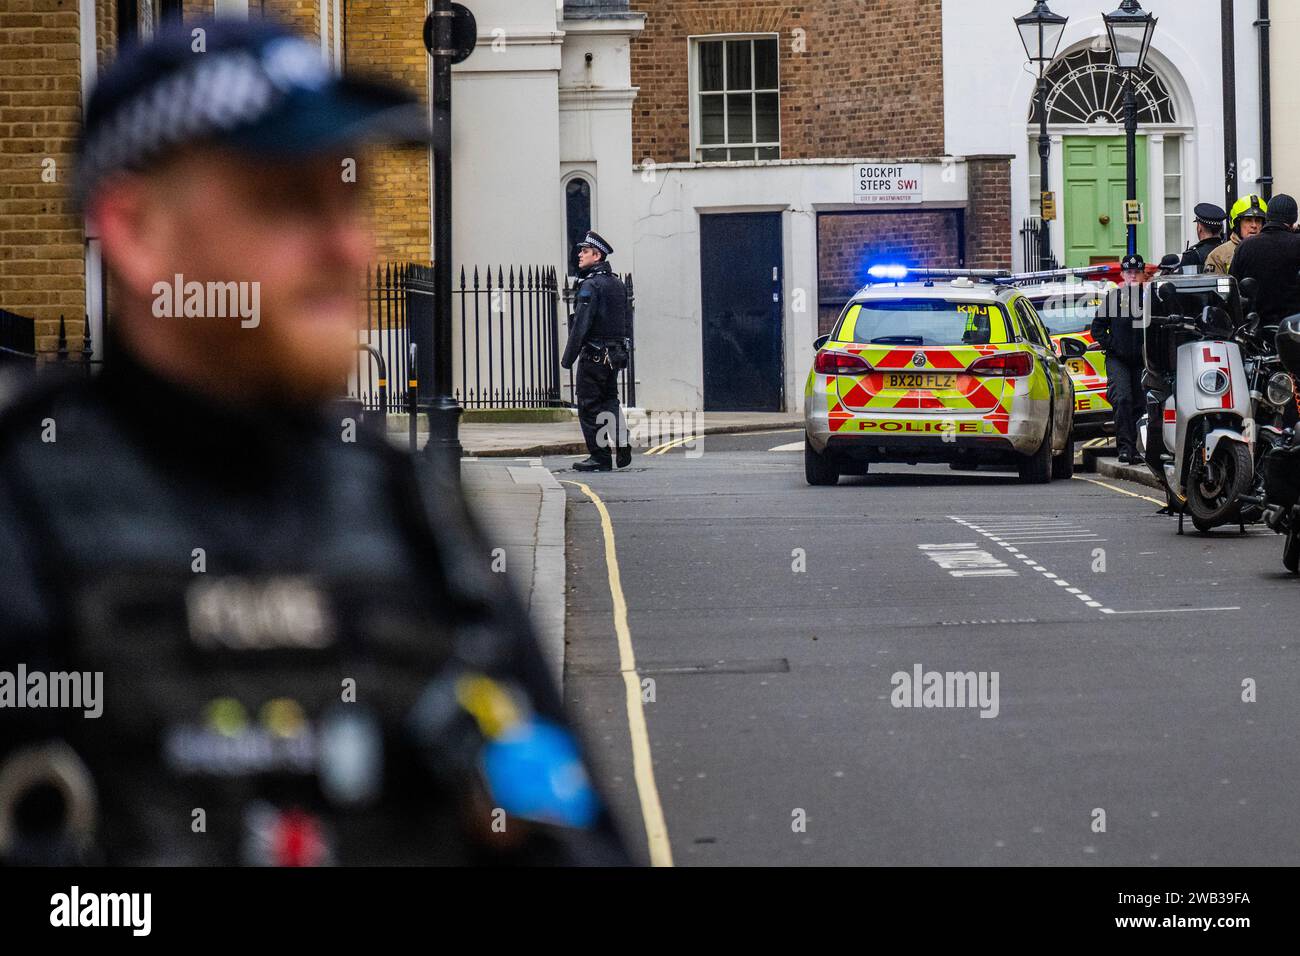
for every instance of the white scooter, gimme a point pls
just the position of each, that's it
(1203, 449)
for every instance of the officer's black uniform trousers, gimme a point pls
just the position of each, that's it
(596, 389)
(1127, 397)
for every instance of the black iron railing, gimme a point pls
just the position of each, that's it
(505, 337)
(18, 344)
(1034, 235)
(17, 338)
(380, 378)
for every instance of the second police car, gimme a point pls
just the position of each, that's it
(1067, 309)
(938, 366)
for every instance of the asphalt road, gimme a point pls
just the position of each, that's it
(1118, 690)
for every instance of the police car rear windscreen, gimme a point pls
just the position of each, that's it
(1068, 313)
(921, 322)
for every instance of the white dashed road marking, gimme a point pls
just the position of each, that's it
(1045, 532)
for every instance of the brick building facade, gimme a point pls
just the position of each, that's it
(42, 271)
(47, 260)
(651, 123)
(839, 95)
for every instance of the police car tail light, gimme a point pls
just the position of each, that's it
(840, 363)
(1006, 364)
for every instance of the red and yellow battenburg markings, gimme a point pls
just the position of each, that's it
(1093, 380)
(849, 396)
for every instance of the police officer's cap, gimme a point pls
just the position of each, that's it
(1208, 214)
(250, 86)
(595, 240)
(1132, 263)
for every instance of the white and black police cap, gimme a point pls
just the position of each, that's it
(594, 240)
(250, 86)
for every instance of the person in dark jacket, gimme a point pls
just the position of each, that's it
(1272, 259)
(277, 639)
(598, 338)
(1116, 330)
(1209, 236)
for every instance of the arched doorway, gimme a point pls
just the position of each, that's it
(1085, 116)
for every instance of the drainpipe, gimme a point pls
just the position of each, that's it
(1229, 105)
(96, 294)
(1265, 105)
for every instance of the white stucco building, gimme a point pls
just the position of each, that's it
(989, 91)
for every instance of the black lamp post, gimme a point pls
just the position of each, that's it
(450, 34)
(1130, 29)
(1040, 32)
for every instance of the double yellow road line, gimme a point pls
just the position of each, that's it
(669, 446)
(656, 829)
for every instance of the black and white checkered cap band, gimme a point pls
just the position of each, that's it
(596, 243)
(220, 92)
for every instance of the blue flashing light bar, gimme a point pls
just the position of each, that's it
(885, 272)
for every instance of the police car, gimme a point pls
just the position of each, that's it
(938, 366)
(1067, 309)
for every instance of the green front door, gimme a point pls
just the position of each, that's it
(1095, 189)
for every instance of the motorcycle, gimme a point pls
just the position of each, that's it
(1281, 465)
(1203, 380)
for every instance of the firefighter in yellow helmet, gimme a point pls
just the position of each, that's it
(1247, 219)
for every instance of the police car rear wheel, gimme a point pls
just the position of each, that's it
(1063, 464)
(1037, 468)
(819, 469)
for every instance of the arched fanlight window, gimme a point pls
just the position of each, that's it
(577, 204)
(1086, 87)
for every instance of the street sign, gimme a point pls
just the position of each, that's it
(1132, 212)
(1049, 207)
(464, 34)
(886, 183)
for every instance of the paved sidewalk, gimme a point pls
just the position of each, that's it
(647, 429)
(1110, 468)
(521, 506)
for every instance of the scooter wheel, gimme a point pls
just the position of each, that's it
(1291, 551)
(1214, 492)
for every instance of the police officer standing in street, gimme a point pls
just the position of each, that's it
(1113, 328)
(296, 624)
(598, 342)
(1209, 236)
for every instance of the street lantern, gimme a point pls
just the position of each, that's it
(1130, 29)
(1041, 31)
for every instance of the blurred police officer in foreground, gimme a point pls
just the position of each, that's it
(1115, 331)
(305, 658)
(1247, 217)
(598, 342)
(1209, 236)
